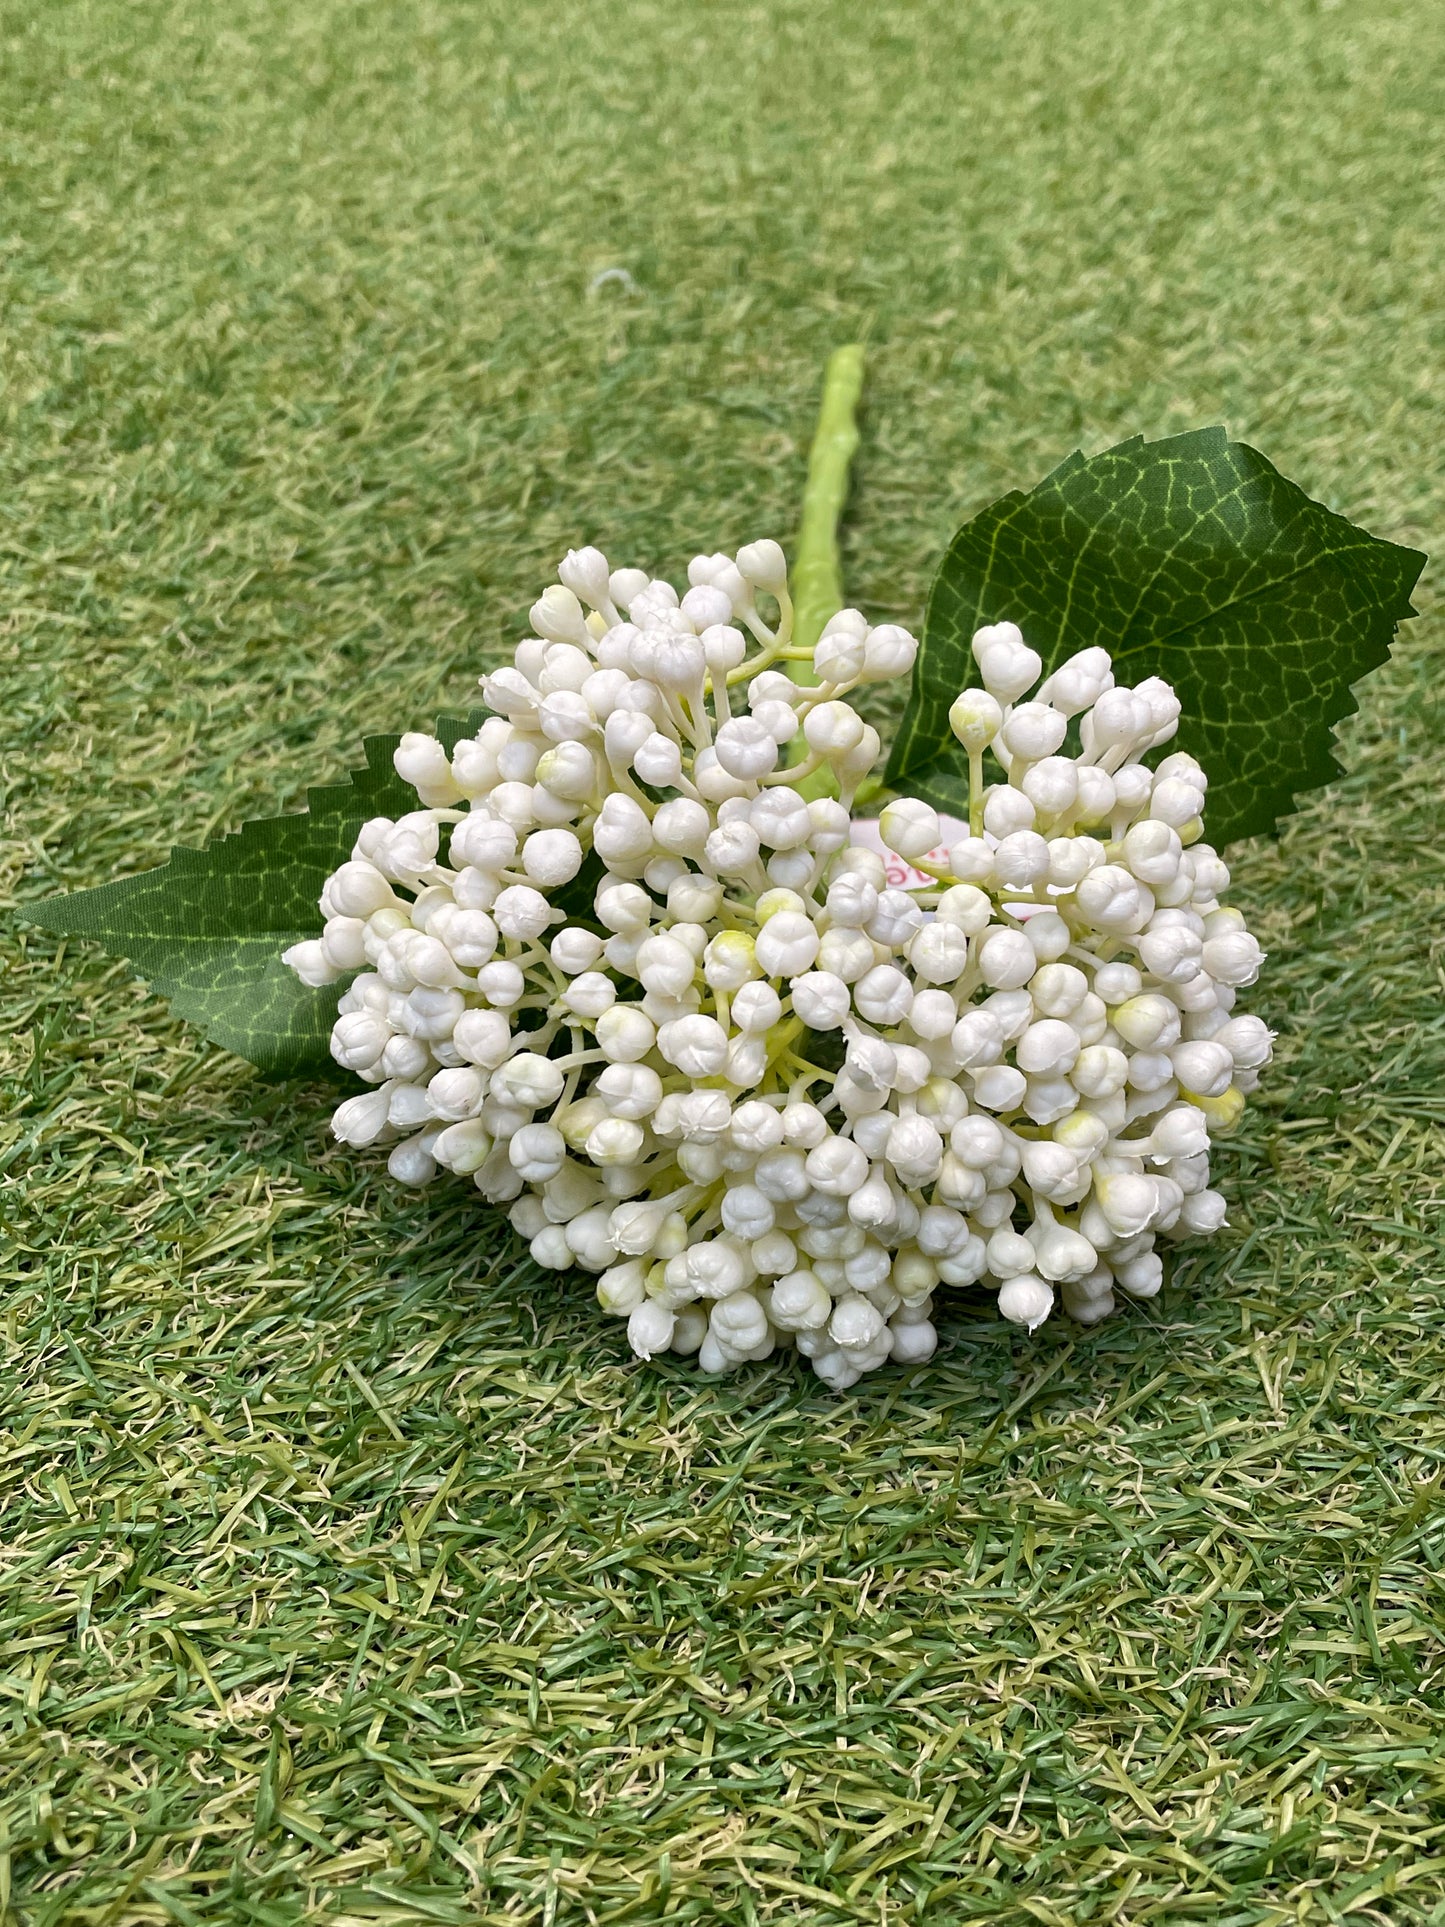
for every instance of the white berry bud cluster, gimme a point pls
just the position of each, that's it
(767, 1098)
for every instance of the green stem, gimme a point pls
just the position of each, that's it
(817, 574)
(817, 569)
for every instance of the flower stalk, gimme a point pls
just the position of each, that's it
(818, 567)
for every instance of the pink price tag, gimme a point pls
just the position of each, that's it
(902, 875)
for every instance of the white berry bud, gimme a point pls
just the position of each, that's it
(911, 828)
(1152, 851)
(1128, 1201)
(723, 647)
(800, 1302)
(1032, 730)
(730, 961)
(884, 995)
(836, 1167)
(888, 653)
(1021, 859)
(1006, 663)
(1078, 683)
(1111, 898)
(622, 833)
(574, 949)
(821, 999)
(665, 966)
(1025, 1300)
(1203, 1214)
(915, 1150)
(697, 1045)
(1173, 953)
(358, 889)
(1049, 1048)
(764, 564)
(537, 1153)
(1175, 802)
(1180, 1133)
(1147, 1021)
(551, 858)
(975, 718)
(625, 1034)
(787, 945)
(344, 943)
(1249, 1041)
(456, 1093)
(658, 761)
(778, 717)
(361, 1120)
(1052, 785)
(1006, 958)
(650, 1328)
(833, 728)
(746, 748)
(624, 908)
(557, 616)
(615, 1140)
(521, 912)
(311, 963)
(584, 572)
(589, 994)
(757, 1008)
(780, 817)
(1204, 1068)
(1233, 958)
(358, 1039)
(528, 1080)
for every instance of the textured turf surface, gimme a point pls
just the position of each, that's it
(349, 1573)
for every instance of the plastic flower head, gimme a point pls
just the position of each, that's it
(620, 970)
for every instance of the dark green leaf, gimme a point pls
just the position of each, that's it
(207, 928)
(1192, 559)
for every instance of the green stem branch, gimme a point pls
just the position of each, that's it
(817, 569)
(817, 574)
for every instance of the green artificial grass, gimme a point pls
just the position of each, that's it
(349, 1572)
